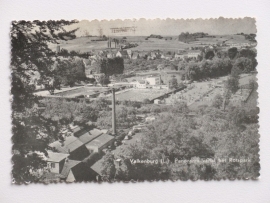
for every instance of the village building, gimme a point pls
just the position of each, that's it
(123, 54)
(194, 54)
(180, 56)
(157, 101)
(141, 84)
(100, 143)
(77, 171)
(135, 55)
(56, 161)
(129, 51)
(111, 55)
(71, 145)
(153, 80)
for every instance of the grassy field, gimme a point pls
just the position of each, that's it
(139, 94)
(84, 44)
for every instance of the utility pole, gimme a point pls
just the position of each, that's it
(113, 113)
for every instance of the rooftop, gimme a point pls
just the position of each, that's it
(56, 157)
(101, 140)
(68, 166)
(95, 132)
(87, 137)
(70, 144)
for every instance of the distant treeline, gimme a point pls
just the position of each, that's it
(223, 63)
(250, 37)
(65, 53)
(154, 36)
(189, 37)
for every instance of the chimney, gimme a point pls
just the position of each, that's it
(113, 113)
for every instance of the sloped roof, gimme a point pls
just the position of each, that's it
(123, 52)
(100, 141)
(87, 137)
(70, 144)
(56, 157)
(68, 166)
(95, 132)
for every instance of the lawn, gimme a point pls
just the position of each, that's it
(139, 94)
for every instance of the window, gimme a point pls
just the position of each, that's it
(52, 165)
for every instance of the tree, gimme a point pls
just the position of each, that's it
(173, 84)
(108, 169)
(217, 102)
(231, 86)
(103, 80)
(244, 65)
(232, 52)
(209, 54)
(30, 52)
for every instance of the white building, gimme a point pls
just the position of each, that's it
(153, 80)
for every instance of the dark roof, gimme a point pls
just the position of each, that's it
(68, 166)
(87, 137)
(70, 144)
(56, 157)
(100, 141)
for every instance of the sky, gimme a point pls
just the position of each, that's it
(218, 26)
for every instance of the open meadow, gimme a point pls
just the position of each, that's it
(140, 94)
(84, 44)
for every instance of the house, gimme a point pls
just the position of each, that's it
(77, 171)
(129, 52)
(123, 54)
(153, 80)
(135, 56)
(141, 84)
(157, 101)
(71, 145)
(111, 55)
(151, 118)
(194, 54)
(100, 143)
(180, 56)
(56, 161)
